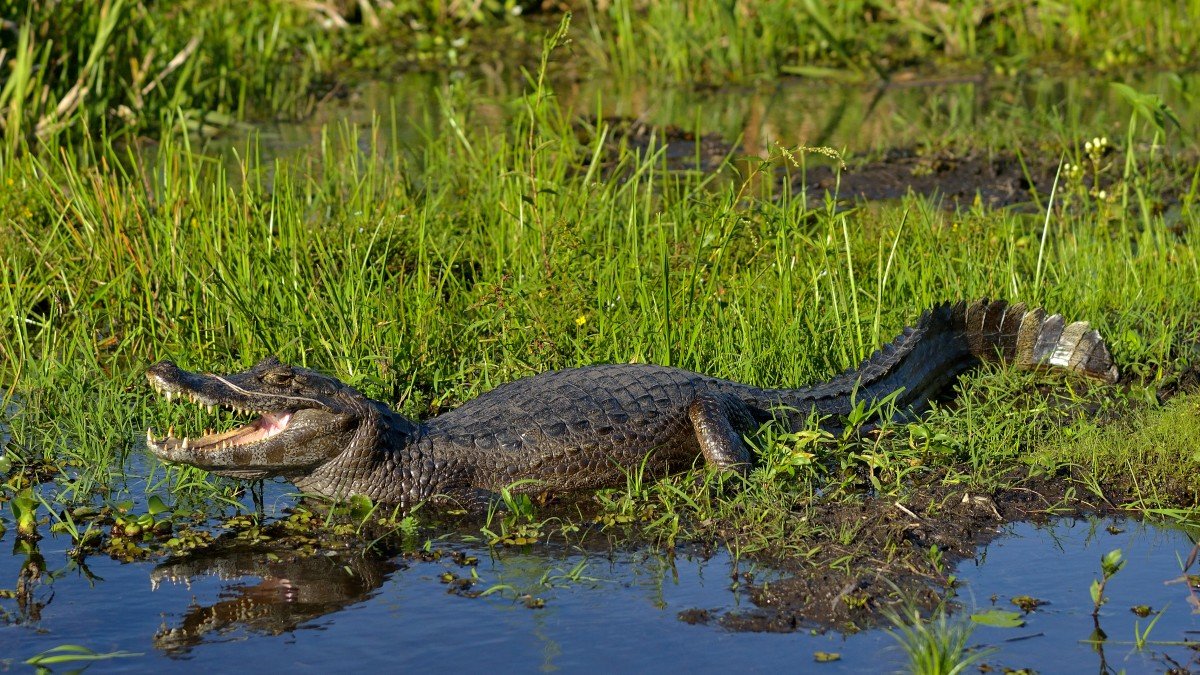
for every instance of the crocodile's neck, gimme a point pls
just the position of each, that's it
(390, 459)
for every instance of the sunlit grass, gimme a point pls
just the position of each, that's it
(934, 646)
(686, 40)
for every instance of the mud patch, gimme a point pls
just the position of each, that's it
(996, 180)
(677, 149)
(881, 552)
(993, 180)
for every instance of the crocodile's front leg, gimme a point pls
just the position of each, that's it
(719, 422)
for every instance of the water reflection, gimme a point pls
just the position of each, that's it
(1022, 114)
(266, 590)
(271, 589)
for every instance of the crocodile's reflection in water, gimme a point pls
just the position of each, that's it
(292, 588)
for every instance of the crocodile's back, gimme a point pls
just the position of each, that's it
(590, 427)
(576, 428)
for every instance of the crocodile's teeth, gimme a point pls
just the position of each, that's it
(149, 437)
(170, 395)
(211, 408)
(170, 431)
(186, 443)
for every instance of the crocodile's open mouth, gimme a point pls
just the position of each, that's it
(300, 419)
(268, 424)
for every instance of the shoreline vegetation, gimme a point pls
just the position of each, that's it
(427, 273)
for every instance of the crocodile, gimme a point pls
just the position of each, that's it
(583, 428)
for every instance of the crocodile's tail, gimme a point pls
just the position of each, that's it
(953, 338)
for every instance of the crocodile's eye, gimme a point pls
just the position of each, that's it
(277, 377)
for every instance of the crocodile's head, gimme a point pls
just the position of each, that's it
(305, 419)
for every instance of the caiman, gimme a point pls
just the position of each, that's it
(582, 428)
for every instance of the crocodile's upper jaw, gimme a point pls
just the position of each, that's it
(305, 419)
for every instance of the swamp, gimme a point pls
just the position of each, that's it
(428, 199)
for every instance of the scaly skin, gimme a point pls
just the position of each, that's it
(582, 428)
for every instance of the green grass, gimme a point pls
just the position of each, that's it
(116, 67)
(689, 40)
(130, 65)
(1152, 453)
(935, 646)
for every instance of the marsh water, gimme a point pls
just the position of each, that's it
(857, 120)
(561, 607)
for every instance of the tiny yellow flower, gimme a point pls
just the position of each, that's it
(580, 320)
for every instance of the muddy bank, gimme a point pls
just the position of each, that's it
(963, 179)
(882, 554)
(673, 148)
(998, 180)
(995, 180)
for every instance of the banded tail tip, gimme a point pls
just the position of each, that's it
(1033, 339)
(1076, 347)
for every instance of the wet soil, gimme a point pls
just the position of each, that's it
(677, 149)
(874, 553)
(884, 557)
(994, 180)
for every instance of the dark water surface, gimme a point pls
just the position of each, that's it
(615, 608)
(1033, 114)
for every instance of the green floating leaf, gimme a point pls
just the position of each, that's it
(360, 507)
(826, 657)
(155, 505)
(70, 653)
(999, 618)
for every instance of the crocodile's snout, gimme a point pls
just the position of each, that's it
(163, 370)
